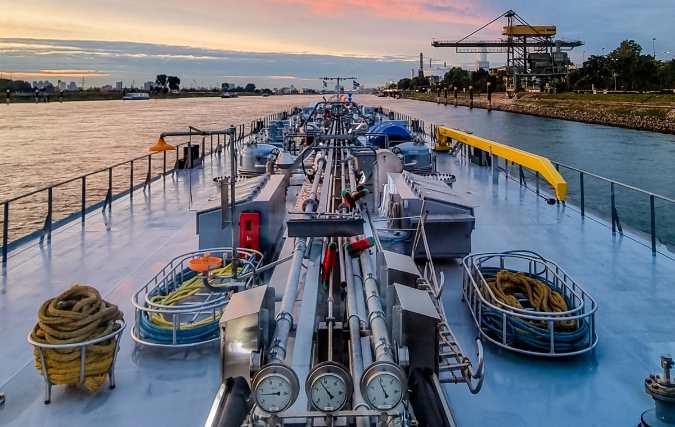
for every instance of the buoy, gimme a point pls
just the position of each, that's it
(205, 264)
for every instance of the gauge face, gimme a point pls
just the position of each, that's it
(273, 393)
(384, 391)
(328, 393)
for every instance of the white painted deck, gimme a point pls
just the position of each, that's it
(176, 388)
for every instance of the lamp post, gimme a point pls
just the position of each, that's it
(654, 46)
(665, 55)
(603, 51)
(583, 57)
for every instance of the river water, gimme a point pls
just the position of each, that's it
(44, 144)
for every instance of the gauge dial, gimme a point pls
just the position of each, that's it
(384, 391)
(273, 394)
(383, 385)
(329, 393)
(275, 388)
(329, 386)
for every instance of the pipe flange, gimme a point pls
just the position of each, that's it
(658, 390)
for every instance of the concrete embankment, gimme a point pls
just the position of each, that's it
(565, 112)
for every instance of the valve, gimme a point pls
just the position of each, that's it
(662, 390)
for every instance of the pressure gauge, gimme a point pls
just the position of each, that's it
(328, 386)
(383, 385)
(275, 388)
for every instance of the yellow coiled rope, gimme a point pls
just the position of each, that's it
(186, 290)
(541, 297)
(75, 316)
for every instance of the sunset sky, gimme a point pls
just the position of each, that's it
(283, 42)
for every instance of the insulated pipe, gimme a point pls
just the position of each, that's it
(277, 352)
(320, 163)
(376, 316)
(355, 351)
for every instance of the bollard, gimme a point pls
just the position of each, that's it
(489, 96)
(36, 96)
(8, 94)
(445, 90)
(455, 96)
(470, 96)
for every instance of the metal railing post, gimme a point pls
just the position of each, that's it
(131, 181)
(110, 191)
(5, 230)
(653, 215)
(164, 166)
(581, 183)
(50, 210)
(84, 197)
(537, 179)
(611, 186)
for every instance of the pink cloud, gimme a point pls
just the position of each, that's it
(449, 11)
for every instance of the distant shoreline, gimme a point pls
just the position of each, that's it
(117, 96)
(639, 112)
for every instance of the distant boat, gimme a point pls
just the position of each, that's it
(229, 95)
(136, 96)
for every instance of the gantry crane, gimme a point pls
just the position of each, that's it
(532, 52)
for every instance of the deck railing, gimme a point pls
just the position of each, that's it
(110, 187)
(643, 210)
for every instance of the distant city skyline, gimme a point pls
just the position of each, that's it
(266, 41)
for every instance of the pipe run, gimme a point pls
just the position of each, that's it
(376, 315)
(355, 350)
(277, 352)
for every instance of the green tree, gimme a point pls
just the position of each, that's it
(633, 70)
(249, 87)
(161, 80)
(225, 86)
(666, 74)
(14, 86)
(174, 82)
(419, 82)
(404, 84)
(458, 78)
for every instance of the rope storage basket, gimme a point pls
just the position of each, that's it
(181, 307)
(525, 303)
(76, 339)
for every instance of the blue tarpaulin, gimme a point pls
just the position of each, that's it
(397, 133)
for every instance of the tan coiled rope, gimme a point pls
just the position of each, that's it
(542, 298)
(76, 316)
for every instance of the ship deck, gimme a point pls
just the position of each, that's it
(177, 387)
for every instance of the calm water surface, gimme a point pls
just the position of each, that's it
(47, 143)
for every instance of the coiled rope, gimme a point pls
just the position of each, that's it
(77, 315)
(569, 335)
(154, 327)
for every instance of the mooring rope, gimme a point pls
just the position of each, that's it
(77, 315)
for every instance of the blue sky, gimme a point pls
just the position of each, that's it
(283, 42)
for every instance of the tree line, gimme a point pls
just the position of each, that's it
(625, 68)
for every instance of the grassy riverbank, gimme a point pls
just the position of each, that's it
(653, 112)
